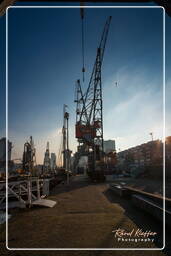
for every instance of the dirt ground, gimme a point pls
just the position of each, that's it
(84, 217)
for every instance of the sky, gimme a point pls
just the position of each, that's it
(44, 61)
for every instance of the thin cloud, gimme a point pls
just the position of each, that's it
(134, 108)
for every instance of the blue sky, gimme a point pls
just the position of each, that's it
(45, 61)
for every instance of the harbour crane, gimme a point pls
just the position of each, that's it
(89, 112)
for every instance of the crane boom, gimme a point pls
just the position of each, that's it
(90, 98)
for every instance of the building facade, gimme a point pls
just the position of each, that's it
(150, 153)
(109, 146)
(3, 157)
(168, 148)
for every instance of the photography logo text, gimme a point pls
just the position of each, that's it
(135, 235)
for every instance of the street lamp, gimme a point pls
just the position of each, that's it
(151, 134)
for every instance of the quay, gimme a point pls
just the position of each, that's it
(84, 216)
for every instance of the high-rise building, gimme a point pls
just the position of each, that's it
(47, 159)
(3, 150)
(53, 161)
(109, 146)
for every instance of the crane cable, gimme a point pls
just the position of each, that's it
(82, 32)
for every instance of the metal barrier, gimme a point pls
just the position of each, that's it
(27, 192)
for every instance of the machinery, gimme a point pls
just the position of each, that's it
(66, 151)
(65, 132)
(29, 157)
(89, 113)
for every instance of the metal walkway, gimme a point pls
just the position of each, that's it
(25, 193)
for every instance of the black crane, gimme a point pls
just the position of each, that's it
(89, 110)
